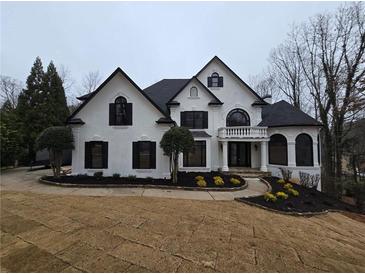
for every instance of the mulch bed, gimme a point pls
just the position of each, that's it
(185, 179)
(308, 201)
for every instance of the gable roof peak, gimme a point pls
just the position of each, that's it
(234, 74)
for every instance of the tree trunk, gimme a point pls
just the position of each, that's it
(175, 168)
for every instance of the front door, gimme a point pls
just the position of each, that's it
(239, 154)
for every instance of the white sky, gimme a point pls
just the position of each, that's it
(148, 40)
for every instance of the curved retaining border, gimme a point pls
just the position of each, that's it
(44, 181)
(266, 183)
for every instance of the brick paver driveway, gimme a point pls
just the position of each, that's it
(52, 233)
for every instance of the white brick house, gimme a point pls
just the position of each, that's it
(118, 127)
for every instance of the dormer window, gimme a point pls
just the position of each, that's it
(120, 112)
(193, 92)
(215, 80)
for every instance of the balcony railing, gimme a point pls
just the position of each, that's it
(242, 132)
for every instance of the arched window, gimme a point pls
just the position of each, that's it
(215, 80)
(120, 110)
(304, 150)
(237, 117)
(193, 92)
(278, 150)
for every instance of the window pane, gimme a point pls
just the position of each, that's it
(198, 119)
(304, 150)
(196, 158)
(238, 117)
(120, 114)
(278, 150)
(97, 155)
(144, 155)
(193, 92)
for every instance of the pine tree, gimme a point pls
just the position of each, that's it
(30, 110)
(56, 104)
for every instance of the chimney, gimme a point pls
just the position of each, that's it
(267, 98)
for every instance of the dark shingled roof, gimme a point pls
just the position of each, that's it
(283, 114)
(200, 134)
(85, 96)
(162, 91)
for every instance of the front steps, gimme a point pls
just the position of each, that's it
(246, 172)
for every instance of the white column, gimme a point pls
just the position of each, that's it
(225, 156)
(291, 154)
(315, 154)
(263, 150)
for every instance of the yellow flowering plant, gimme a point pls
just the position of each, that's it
(199, 178)
(218, 181)
(201, 183)
(293, 192)
(281, 181)
(235, 181)
(269, 197)
(288, 186)
(282, 195)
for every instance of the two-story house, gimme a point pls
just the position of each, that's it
(118, 127)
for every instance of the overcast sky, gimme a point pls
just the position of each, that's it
(149, 41)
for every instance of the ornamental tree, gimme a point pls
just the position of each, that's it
(55, 140)
(175, 141)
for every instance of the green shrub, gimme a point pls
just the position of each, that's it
(131, 177)
(201, 183)
(218, 180)
(149, 178)
(282, 195)
(116, 175)
(235, 181)
(98, 175)
(269, 197)
(288, 186)
(281, 181)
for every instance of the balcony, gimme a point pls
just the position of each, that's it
(245, 132)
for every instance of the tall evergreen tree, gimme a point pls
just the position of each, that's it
(56, 104)
(30, 110)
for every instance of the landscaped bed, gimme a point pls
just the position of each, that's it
(196, 180)
(297, 200)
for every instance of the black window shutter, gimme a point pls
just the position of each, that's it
(205, 119)
(182, 118)
(129, 114)
(209, 82)
(105, 154)
(153, 155)
(135, 152)
(88, 154)
(220, 81)
(111, 114)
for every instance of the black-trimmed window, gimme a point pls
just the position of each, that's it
(144, 155)
(194, 119)
(96, 154)
(193, 92)
(278, 150)
(304, 150)
(215, 80)
(197, 157)
(120, 112)
(237, 117)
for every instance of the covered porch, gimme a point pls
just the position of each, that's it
(243, 147)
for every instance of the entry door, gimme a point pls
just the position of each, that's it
(239, 154)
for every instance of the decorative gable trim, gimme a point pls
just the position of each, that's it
(234, 74)
(118, 70)
(172, 102)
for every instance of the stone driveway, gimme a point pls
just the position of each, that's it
(69, 233)
(21, 179)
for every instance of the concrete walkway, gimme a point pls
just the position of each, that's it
(21, 179)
